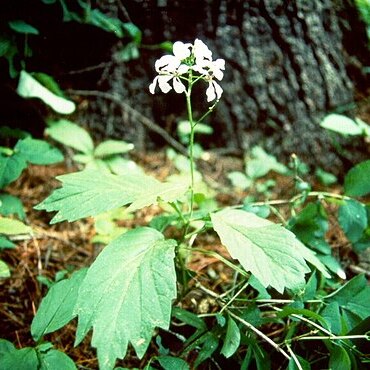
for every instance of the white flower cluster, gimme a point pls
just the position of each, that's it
(189, 57)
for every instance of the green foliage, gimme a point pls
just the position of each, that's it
(56, 309)
(29, 87)
(42, 357)
(356, 182)
(257, 164)
(345, 126)
(86, 187)
(105, 156)
(140, 294)
(270, 252)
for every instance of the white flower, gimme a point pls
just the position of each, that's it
(201, 51)
(214, 90)
(171, 67)
(196, 57)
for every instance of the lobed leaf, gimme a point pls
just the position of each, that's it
(111, 147)
(270, 252)
(341, 124)
(127, 293)
(89, 193)
(11, 168)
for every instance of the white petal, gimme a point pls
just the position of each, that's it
(218, 73)
(153, 85)
(163, 83)
(210, 92)
(167, 63)
(180, 50)
(218, 89)
(198, 68)
(178, 86)
(182, 69)
(201, 50)
(219, 63)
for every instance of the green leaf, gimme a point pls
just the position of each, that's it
(56, 308)
(304, 364)
(326, 178)
(48, 82)
(331, 314)
(352, 218)
(353, 298)
(4, 270)
(267, 250)
(5, 243)
(189, 318)
(29, 87)
(38, 151)
(25, 358)
(11, 205)
(85, 188)
(341, 124)
(356, 182)
(171, 363)
(339, 359)
(232, 339)
(9, 226)
(23, 27)
(134, 298)
(54, 360)
(11, 168)
(133, 31)
(239, 180)
(111, 147)
(261, 163)
(72, 135)
(5, 347)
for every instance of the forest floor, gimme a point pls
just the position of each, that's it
(68, 246)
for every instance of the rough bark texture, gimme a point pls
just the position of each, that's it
(285, 68)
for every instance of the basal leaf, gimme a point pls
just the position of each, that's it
(90, 192)
(127, 293)
(54, 359)
(353, 299)
(8, 226)
(11, 168)
(21, 26)
(356, 182)
(4, 270)
(232, 339)
(56, 308)
(72, 135)
(29, 87)
(339, 359)
(171, 363)
(38, 151)
(341, 124)
(352, 218)
(267, 250)
(111, 147)
(11, 205)
(25, 358)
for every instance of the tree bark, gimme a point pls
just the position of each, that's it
(286, 67)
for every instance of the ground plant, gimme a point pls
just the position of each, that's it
(284, 272)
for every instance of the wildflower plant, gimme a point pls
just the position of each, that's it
(137, 282)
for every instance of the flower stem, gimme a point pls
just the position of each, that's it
(191, 154)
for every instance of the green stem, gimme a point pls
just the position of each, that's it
(191, 154)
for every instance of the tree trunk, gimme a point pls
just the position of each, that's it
(285, 69)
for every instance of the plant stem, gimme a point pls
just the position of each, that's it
(191, 153)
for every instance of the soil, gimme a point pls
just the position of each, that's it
(68, 246)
